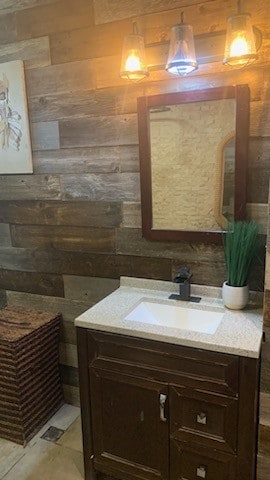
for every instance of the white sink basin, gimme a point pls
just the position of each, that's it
(176, 316)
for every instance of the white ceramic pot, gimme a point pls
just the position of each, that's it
(235, 298)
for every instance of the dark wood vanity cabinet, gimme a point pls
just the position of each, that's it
(153, 410)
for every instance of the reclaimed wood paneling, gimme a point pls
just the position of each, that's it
(68, 355)
(88, 42)
(68, 333)
(45, 136)
(130, 242)
(3, 298)
(71, 395)
(259, 213)
(29, 187)
(126, 98)
(263, 467)
(258, 155)
(34, 52)
(111, 10)
(92, 289)
(265, 408)
(58, 16)
(265, 367)
(104, 187)
(7, 28)
(258, 169)
(69, 376)
(68, 78)
(131, 215)
(259, 119)
(129, 158)
(79, 160)
(77, 263)
(87, 160)
(254, 77)
(5, 240)
(63, 106)
(82, 239)
(258, 185)
(32, 282)
(99, 131)
(83, 214)
(264, 440)
(203, 270)
(13, 5)
(204, 262)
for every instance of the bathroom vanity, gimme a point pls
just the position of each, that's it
(159, 401)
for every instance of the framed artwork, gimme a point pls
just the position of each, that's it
(15, 143)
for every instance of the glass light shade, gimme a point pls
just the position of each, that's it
(182, 58)
(240, 47)
(133, 65)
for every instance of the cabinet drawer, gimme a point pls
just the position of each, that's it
(207, 419)
(191, 367)
(188, 463)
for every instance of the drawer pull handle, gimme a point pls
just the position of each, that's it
(202, 418)
(201, 472)
(162, 401)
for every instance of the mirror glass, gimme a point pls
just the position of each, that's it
(188, 158)
(193, 155)
(228, 182)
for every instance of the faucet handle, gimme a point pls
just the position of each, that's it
(182, 275)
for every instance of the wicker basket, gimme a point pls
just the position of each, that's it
(30, 388)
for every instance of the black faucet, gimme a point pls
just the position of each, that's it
(183, 277)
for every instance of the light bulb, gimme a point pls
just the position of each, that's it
(239, 46)
(133, 62)
(181, 58)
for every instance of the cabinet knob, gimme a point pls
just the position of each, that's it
(202, 418)
(162, 401)
(201, 472)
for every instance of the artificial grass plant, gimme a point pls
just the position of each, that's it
(240, 246)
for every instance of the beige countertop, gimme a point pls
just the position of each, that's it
(239, 332)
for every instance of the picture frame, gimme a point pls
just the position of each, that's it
(15, 142)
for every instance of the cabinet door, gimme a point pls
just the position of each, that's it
(130, 428)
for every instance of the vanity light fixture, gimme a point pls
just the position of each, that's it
(182, 57)
(240, 46)
(133, 65)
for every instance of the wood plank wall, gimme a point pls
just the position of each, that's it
(73, 227)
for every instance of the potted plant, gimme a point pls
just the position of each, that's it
(240, 246)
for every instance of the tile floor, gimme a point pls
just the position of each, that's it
(45, 460)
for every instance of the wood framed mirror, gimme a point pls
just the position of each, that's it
(193, 162)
